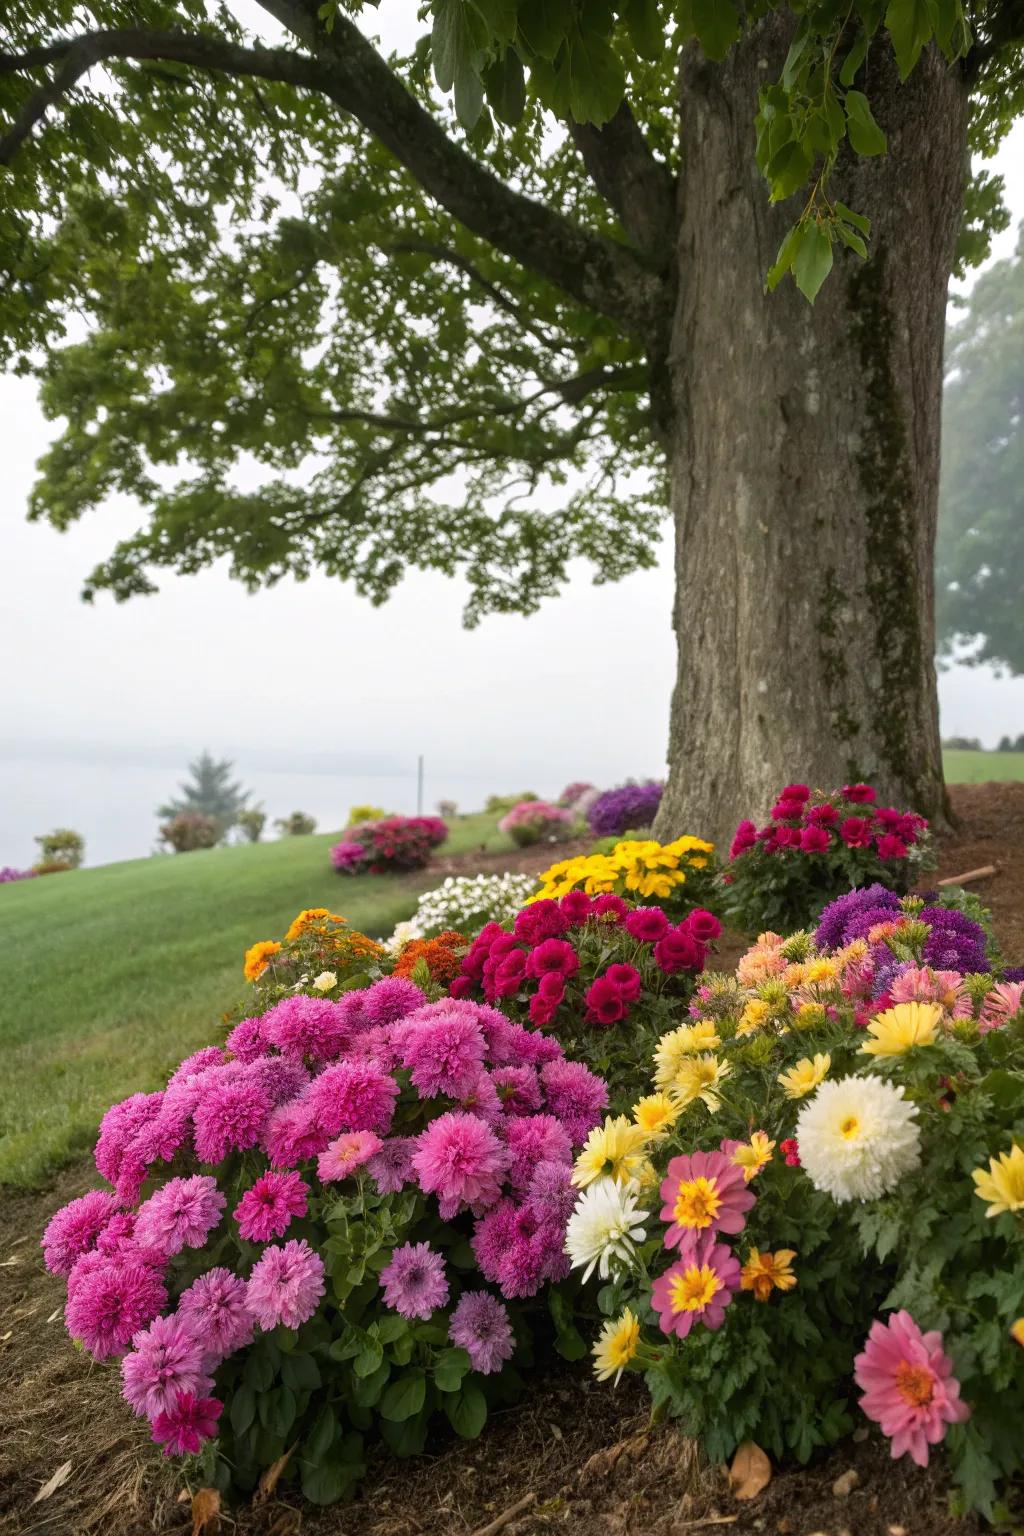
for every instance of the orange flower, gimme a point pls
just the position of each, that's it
(766, 1272)
(442, 956)
(307, 917)
(257, 958)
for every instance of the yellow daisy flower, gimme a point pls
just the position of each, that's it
(672, 1049)
(698, 1077)
(752, 1155)
(809, 1016)
(615, 1150)
(655, 1114)
(767, 1272)
(899, 1029)
(754, 1015)
(616, 1346)
(1002, 1183)
(802, 1079)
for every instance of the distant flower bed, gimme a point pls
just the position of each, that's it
(629, 808)
(815, 846)
(392, 845)
(9, 874)
(816, 1210)
(676, 874)
(537, 821)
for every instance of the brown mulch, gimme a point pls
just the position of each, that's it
(574, 1458)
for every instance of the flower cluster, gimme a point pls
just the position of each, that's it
(318, 950)
(537, 821)
(466, 903)
(868, 1092)
(8, 874)
(640, 869)
(575, 792)
(390, 845)
(437, 960)
(334, 1215)
(629, 808)
(362, 813)
(816, 845)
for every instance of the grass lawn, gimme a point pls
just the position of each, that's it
(982, 767)
(111, 975)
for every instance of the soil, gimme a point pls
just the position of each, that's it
(575, 1458)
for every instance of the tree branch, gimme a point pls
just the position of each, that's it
(639, 188)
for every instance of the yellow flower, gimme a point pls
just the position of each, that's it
(767, 1272)
(325, 981)
(617, 1345)
(1003, 1182)
(257, 958)
(307, 917)
(672, 1049)
(1017, 1330)
(899, 1029)
(752, 1155)
(809, 1016)
(821, 970)
(753, 1016)
(698, 1077)
(655, 1114)
(690, 845)
(802, 1079)
(660, 883)
(601, 875)
(615, 1150)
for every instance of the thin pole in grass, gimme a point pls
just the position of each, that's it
(419, 785)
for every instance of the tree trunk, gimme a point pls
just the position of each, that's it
(804, 457)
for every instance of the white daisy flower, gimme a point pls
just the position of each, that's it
(858, 1138)
(605, 1227)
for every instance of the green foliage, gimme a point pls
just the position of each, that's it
(211, 793)
(251, 823)
(298, 824)
(62, 846)
(189, 831)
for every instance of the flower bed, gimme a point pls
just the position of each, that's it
(537, 821)
(817, 1211)
(628, 808)
(318, 950)
(396, 844)
(641, 870)
(816, 846)
(466, 903)
(8, 874)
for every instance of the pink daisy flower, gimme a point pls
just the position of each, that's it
(1004, 1000)
(480, 1325)
(183, 1428)
(346, 1153)
(704, 1192)
(166, 1358)
(444, 1052)
(459, 1158)
(110, 1300)
(923, 985)
(75, 1228)
(697, 1287)
(354, 1096)
(180, 1215)
(229, 1118)
(909, 1387)
(286, 1285)
(391, 1167)
(414, 1282)
(266, 1210)
(215, 1307)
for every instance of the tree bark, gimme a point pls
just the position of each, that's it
(804, 456)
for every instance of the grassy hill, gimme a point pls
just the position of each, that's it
(982, 767)
(111, 975)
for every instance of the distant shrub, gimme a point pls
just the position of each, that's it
(447, 809)
(252, 823)
(190, 830)
(574, 792)
(394, 844)
(52, 867)
(1009, 744)
(628, 808)
(537, 821)
(361, 813)
(8, 874)
(962, 744)
(62, 846)
(298, 824)
(497, 805)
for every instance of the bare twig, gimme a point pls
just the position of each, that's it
(507, 1516)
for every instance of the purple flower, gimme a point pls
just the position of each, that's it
(576, 1095)
(414, 1282)
(551, 1196)
(444, 1051)
(166, 1358)
(956, 942)
(623, 809)
(286, 1285)
(518, 1089)
(215, 1307)
(266, 1210)
(391, 1168)
(183, 1428)
(532, 1140)
(480, 1326)
(248, 1040)
(843, 913)
(180, 1215)
(75, 1228)
(391, 999)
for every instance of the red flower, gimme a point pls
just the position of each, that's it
(795, 792)
(790, 1151)
(605, 1003)
(610, 905)
(814, 840)
(646, 924)
(787, 837)
(891, 847)
(552, 955)
(856, 832)
(859, 794)
(679, 951)
(703, 925)
(575, 907)
(788, 810)
(823, 815)
(510, 974)
(626, 980)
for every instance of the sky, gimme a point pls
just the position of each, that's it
(320, 699)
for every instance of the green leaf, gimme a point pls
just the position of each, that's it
(813, 261)
(505, 86)
(597, 79)
(458, 41)
(543, 25)
(450, 1367)
(317, 1444)
(854, 59)
(645, 28)
(858, 220)
(866, 137)
(789, 169)
(787, 255)
(408, 1437)
(365, 1391)
(716, 25)
(909, 24)
(852, 239)
(243, 1410)
(405, 1397)
(300, 1372)
(369, 1358)
(391, 1327)
(569, 1342)
(467, 1410)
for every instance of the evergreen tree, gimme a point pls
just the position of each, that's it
(210, 791)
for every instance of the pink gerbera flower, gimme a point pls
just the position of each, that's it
(183, 1428)
(346, 1153)
(166, 1358)
(286, 1285)
(909, 1387)
(216, 1308)
(75, 1228)
(697, 1287)
(480, 1325)
(459, 1158)
(414, 1282)
(703, 1192)
(266, 1210)
(180, 1215)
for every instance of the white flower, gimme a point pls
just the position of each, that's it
(605, 1227)
(466, 903)
(858, 1137)
(403, 934)
(325, 981)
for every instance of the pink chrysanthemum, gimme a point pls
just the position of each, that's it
(307, 1027)
(75, 1229)
(391, 999)
(229, 1118)
(481, 1098)
(531, 1047)
(110, 1300)
(346, 1153)
(444, 1051)
(199, 1061)
(697, 1287)
(519, 1249)
(500, 1035)
(266, 1210)
(459, 1158)
(286, 1285)
(376, 1045)
(518, 1089)
(576, 1095)
(117, 1128)
(166, 1358)
(909, 1387)
(921, 984)
(391, 1168)
(480, 1325)
(281, 1078)
(704, 1192)
(354, 1096)
(1001, 1004)
(533, 1140)
(183, 1428)
(118, 1234)
(180, 1215)
(293, 1133)
(414, 1282)
(248, 1040)
(215, 1306)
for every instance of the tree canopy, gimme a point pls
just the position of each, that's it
(412, 311)
(210, 791)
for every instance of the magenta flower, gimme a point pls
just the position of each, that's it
(346, 1153)
(552, 957)
(531, 1140)
(678, 951)
(183, 1428)
(696, 1288)
(575, 907)
(855, 832)
(540, 921)
(605, 1002)
(891, 847)
(1002, 1003)
(414, 1282)
(646, 924)
(286, 1285)
(167, 1358)
(294, 1133)
(908, 1385)
(482, 1099)
(118, 1128)
(704, 1192)
(75, 1229)
(815, 840)
(704, 925)
(480, 1325)
(518, 1089)
(444, 1051)
(610, 906)
(626, 979)
(180, 1215)
(391, 999)
(510, 974)
(110, 1300)
(307, 1026)
(266, 1210)
(229, 1117)
(215, 1307)
(576, 1095)
(280, 1077)
(859, 794)
(459, 1158)
(199, 1061)
(391, 1167)
(354, 1096)
(551, 1195)
(248, 1040)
